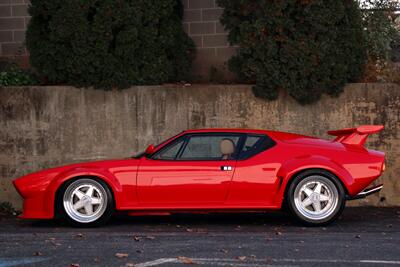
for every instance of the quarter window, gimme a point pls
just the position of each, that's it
(255, 144)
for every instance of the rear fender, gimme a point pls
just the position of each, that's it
(292, 167)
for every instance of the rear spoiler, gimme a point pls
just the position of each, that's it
(355, 136)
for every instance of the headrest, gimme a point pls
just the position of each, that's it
(227, 147)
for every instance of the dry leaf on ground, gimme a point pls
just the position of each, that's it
(185, 260)
(121, 255)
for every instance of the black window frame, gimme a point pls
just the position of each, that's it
(186, 137)
(238, 150)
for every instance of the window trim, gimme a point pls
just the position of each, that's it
(186, 137)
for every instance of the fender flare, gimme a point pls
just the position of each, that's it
(292, 167)
(70, 174)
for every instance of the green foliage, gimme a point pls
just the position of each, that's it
(6, 209)
(109, 43)
(304, 47)
(12, 75)
(380, 28)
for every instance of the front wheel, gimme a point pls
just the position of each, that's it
(316, 198)
(85, 202)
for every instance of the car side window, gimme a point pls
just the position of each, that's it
(210, 147)
(255, 144)
(170, 152)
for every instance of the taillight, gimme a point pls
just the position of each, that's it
(383, 167)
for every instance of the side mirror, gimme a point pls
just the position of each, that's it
(150, 149)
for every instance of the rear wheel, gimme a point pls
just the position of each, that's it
(316, 198)
(85, 202)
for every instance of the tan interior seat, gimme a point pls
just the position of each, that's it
(227, 147)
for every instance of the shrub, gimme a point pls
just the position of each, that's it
(305, 47)
(379, 27)
(12, 75)
(109, 43)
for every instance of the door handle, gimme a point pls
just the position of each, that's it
(226, 168)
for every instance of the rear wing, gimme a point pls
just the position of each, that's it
(355, 136)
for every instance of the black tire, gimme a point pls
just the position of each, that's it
(301, 214)
(61, 207)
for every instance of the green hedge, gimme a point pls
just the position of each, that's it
(306, 48)
(12, 75)
(109, 43)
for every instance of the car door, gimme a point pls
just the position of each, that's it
(255, 182)
(189, 172)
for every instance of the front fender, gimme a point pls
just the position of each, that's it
(69, 174)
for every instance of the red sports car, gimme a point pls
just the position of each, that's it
(212, 170)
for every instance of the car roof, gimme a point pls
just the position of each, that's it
(227, 130)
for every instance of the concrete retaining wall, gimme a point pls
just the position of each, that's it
(42, 127)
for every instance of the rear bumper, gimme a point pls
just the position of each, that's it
(366, 192)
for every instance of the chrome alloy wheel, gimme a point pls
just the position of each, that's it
(85, 200)
(316, 197)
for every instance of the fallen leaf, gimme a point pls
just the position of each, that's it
(241, 258)
(129, 264)
(185, 260)
(79, 235)
(37, 253)
(121, 255)
(74, 265)
(137, 238)
(278, 233)
(358, 236)
(224, 250)
(150, 237)
(96, 259)
(139, 251)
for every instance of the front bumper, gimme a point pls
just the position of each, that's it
(366, 192)
(36, 208)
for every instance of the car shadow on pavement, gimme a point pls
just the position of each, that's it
(362, 217)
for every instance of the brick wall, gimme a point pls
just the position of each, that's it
(201, 22)
(13, 21)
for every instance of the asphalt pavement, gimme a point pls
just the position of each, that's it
(361, 237)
